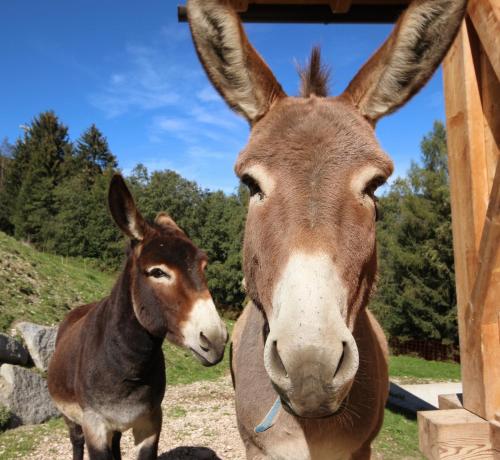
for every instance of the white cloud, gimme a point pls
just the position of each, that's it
(149, 79)
(208, 94)
(202, 152)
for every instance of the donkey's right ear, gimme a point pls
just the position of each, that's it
(124, 211)
(236, 70)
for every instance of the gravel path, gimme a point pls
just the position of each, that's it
(198, 423)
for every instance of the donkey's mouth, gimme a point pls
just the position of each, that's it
(321, 412)
(204, 361)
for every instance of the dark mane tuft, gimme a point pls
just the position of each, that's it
(314, 76)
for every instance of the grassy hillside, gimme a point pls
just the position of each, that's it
(41, 287)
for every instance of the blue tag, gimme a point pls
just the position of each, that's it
(268, 421)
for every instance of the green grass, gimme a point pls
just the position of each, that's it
(40, 287)
(408, 369)
(16, 443)
(398, 439)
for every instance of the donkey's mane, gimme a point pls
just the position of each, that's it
(314, 76)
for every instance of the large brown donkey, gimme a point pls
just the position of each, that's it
(306, 340)
(108, 371)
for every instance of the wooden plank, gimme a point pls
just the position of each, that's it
(239, 5)
(485, 296)
(454, 434)
(340, 6)
(448, 402)
(484, 307)
(469, 194)
(495, 438)
(490, 98)
(485, 15)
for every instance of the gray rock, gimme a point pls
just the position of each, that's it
(24, 392)
(40, 340)
(12, 352)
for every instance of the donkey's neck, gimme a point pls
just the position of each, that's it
(132, 345)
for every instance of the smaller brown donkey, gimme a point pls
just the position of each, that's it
(108, 371)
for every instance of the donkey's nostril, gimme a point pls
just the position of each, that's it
(205, 344)
(341, 360)
(277, 359)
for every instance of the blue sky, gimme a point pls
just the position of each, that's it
(130, 68)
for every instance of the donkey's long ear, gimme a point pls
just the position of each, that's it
(408, 58)
(123, 209)
(237, 71)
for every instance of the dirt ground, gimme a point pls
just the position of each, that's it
(199, 423)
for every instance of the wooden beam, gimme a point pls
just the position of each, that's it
(495, 437)
(316, 13)
(485, 298)
(469, 194)
(483, 337)
(452, 401)
(340, 6)
(239, 5)
(454, 434)
(485, 15)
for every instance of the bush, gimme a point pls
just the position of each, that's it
(4, 418)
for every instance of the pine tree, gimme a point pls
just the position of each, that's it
(416, 295)
(43, 150)
(92, 156)
(6, 165)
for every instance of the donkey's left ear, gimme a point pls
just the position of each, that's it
(123, 209)
(408, 58)
(236, 70)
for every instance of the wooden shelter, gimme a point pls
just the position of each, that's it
(467, 428)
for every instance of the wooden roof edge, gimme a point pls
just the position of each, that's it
(314, 14)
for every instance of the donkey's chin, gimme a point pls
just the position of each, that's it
(316, 406)
(207, 360)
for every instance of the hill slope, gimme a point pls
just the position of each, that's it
(40, 287)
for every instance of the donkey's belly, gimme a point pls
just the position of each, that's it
(71, 410)
(114, 415)
(122, 416)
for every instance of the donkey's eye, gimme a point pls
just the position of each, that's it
(373, 185)
(158, 273)
(253, 186)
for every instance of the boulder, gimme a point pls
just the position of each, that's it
(40, 340)
(25, 394)
(12, 352)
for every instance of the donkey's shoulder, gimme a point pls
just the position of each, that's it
(74, 316)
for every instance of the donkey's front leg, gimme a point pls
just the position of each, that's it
(147, 434)
(97, 436)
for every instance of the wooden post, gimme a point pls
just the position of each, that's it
(472, 94)
(469, 192)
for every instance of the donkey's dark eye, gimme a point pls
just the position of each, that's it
(253, 186)
(158, 273)
(373, 185)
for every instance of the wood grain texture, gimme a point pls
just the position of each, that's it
(495, 437)
(485, 15)
(340, 6)
(469, 194)
(451, 401)
(454, 434)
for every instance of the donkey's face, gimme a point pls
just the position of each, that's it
(312, 165)
(167, 283)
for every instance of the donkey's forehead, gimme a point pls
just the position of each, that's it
(171, 249)
(328, 130)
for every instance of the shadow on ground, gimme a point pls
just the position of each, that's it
(185, 453)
